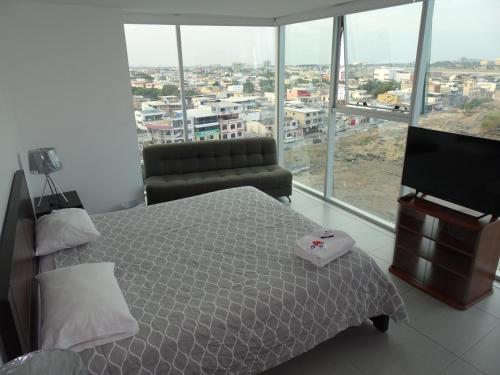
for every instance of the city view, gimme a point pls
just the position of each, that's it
(233, 96)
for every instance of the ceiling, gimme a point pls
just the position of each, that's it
(235, 8)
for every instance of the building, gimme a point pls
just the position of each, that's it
(148, 115)
(169, 130)
(234, 89)
(232, 124)
(168, 104)
(309, 119)
(292, 129)
(258, 129)
(391, 74)
(359, 95)
(297, 93)
(396, 97)
(205, 123)
(238, 66)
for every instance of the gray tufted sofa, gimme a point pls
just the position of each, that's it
(179, 170)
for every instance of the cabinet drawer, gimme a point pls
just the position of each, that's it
(454, 236)
(447, 283)
(413, 242)
(409, 263)
(416, 221)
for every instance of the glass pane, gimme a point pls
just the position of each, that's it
(381, 48)
(229, 77)
(308, 48)
(154, 77)
(462, 91)
(369, 155)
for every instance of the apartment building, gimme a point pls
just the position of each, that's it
(205, 123)
(147, 115)
(392, 74)
(231, 123)
(309, 119)
(169, 130)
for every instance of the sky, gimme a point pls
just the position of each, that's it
(387, 35)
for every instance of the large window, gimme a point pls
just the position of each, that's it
(308, 48)
(229, 80)
(381, 46)
(228, 86)
(376, 74)
(155, 81)
(462, 86)
(368, 165)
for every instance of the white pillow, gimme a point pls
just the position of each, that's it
(82, 307)
(63, 229)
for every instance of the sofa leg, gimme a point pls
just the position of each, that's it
(289, 199)
(381, 322)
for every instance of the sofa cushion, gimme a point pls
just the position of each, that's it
(185, 158)
(266, 178)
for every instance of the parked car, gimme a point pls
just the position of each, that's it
(289, 139)
(316, 140)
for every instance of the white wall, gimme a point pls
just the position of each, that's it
(8, 137)
(69, 86)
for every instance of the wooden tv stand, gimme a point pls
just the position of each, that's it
(445, 252)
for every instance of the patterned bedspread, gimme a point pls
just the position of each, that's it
(216, 288)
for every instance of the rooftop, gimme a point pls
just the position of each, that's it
(196, 112)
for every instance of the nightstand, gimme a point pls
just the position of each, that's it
(51, 202)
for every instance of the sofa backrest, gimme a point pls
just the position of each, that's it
(180, 158)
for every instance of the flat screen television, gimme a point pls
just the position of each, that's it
(457, 168)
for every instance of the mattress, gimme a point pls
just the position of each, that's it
(216, 288)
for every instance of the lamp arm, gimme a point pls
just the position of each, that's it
(58, 189)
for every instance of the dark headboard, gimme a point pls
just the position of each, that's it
(18, 267)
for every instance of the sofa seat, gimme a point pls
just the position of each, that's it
(271, 179)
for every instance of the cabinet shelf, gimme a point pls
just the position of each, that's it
(441, 264)
(451, 247)
(446, 253)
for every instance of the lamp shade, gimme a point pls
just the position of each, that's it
(44, 160)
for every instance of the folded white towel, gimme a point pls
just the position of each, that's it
(333, 247)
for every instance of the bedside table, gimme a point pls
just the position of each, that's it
(51, 202)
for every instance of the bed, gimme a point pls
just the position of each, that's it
(216, 288)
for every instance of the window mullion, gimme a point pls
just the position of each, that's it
(280, 91)
(334, 88)
(422, 61)
(181, 79)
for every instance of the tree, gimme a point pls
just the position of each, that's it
(149, 93)
(170, 90)
(299, 81)
(190, 93)
(142, 75)
(375, 87)
(267, 85)
(248, 87)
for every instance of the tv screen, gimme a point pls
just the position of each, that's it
(457, 168)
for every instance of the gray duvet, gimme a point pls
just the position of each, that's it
(216, 288)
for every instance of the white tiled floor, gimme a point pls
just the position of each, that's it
(437, 340)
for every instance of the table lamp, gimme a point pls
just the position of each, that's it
(45, 161)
